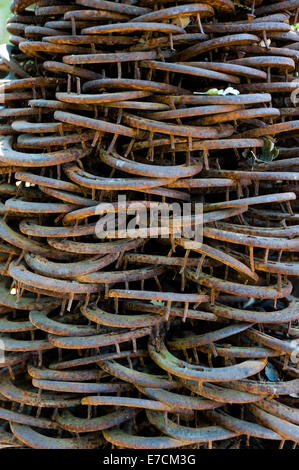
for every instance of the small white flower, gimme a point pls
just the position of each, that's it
(214, 91)
(229, 91)
(265, 44)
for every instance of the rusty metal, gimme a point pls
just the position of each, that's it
(149, 340)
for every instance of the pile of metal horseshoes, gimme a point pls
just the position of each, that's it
(156, 342)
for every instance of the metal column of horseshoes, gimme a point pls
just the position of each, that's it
(156, 341)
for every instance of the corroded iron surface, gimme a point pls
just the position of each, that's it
(135, 339)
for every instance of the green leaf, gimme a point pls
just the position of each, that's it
(212, 91)
(269, 151)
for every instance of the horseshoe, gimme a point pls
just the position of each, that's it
(19, 206)
(70, 376)
(241, 115)
(93, 15)
(95, 248)
(222, 394)
(62, 24)
(96, 359)
(287, 5)
(241, 99)
(24, 303)
(284, 347)
(32, 48)
(137, 378)
(34, 31)
(123, 439)
(288, 314)
(20, 418)
(282, 63)
(41, 321)
(121, 276)
(68, 421)
(240, 426)
(90, 123)
(55, 104)
(188, 434)
(9, 326)
(146, 86)
(48, 182)
(18, 6)
(173, 312)
(124, 8)
(171, 129)
(21, 84)
(189, 70)
(85, 39)
(266, 388)
(101, 317)
(30, 228)
(205, 183)
(68, 197)
(54, 66)
(130, 402)
(273, 87)
(8, 156)
(28, 278)
(170, 363)
(108, 58)
(30, 398)
(11, 112)
(53, 10)
(237, 69)
(191, 112)
(279, 197)
(258, 292)
(96, 341)
(89, 180)
(29, 141)
(271, 243)
(255, 175)
(98, 208)
(101, 98)
(14, 359)
(224, 41)
(243, 352)
(136, 168)
(130, 27)
(30, 245)
(280, 410)
(173, 12)
(216, 254)
(10, 344)
(38, 127)
(151, 295)
(253, 27)
(179, 401)
(286, 429)
(70, 270)
(193, 341)
(38, 441)
(287, 268)
(80, 387)
(142, 105)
